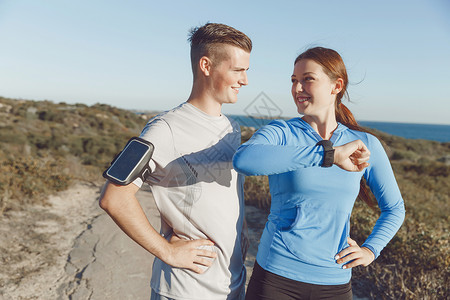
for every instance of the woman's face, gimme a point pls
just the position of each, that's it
(313, 91)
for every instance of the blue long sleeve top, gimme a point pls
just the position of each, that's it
(309, 219)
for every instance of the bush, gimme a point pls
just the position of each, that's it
(256, 191)
(58, 139)
(404, 155)
(29, 180)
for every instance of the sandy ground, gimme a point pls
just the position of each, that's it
(71, 249)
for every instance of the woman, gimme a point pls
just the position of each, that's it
(315, 165)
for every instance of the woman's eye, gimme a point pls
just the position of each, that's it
(309, 78)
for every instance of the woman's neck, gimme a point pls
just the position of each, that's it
(323, 126)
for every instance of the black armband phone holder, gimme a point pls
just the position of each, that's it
(132, 162)
(328, 157)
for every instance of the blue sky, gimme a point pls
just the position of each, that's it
(135, 54)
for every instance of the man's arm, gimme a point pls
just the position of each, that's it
(122, 206)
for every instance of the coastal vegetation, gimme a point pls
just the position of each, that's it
(46, 146)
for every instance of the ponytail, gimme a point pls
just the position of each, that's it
(345, 116)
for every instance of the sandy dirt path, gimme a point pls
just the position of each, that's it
(36, 243)
(71, 249)
(105, 264)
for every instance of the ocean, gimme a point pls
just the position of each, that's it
(440, 133)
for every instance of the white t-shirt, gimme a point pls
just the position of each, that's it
(199, 195)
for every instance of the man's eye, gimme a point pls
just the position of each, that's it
(293, 80)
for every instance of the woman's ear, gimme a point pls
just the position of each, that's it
(205, 65)
(338, 86)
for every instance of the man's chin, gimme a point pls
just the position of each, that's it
(232, 100)
(229, 101)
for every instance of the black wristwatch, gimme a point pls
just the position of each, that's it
(328, 157)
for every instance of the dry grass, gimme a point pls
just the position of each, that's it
(45, 146)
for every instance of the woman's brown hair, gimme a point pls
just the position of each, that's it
(333, 65)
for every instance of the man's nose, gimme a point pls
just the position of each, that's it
(244, 79)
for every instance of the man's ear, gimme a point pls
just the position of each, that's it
(338, 86)
(205, 65)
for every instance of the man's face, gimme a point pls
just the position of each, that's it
(229, 75)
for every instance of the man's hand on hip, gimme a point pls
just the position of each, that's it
(189, 255)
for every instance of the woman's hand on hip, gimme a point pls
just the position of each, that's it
(354, 255)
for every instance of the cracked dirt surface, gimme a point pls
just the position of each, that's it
(71, 249)
(35, 242)
(105, 264)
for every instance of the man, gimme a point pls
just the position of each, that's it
(201, 250)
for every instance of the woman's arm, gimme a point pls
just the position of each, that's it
(268, 152)
(382, 183)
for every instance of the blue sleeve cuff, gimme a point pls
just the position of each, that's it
(376, 253)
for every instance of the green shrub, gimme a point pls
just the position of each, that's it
(405, 155)
(79, 139)
(29, 180)
(256, 191)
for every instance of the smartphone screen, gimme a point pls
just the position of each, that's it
(128, 160)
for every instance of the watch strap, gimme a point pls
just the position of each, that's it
(328, 154)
